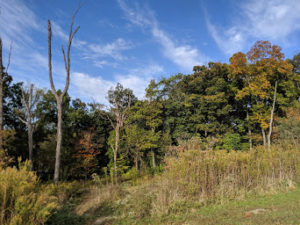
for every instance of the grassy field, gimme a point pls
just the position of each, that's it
(198, 187)
(283, 208)
(280, 208)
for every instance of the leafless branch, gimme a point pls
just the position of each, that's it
(9, 56)
(24, 100)
(50, 60)
(23, 121)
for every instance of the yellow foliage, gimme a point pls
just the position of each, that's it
(21, 200)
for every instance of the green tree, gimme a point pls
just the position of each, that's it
(120, 99)
(267, 83)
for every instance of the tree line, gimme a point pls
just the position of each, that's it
(233, 106)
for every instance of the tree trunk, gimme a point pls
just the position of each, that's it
(30, 143)
(250, 138)
(1, 96)
(59, 141)
(272, 116)
(59, 99)
(264, 137)
(116, 151)
(249, 132)
(136, 162)
(153, 159)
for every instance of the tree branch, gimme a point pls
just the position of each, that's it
(23, 121)
(24, 100)
(67, 60)
(49, 60)
(9, 56)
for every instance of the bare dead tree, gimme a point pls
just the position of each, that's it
(2, 72)
(30, 98)
(272, 116)
(1, 95)
(59, 97)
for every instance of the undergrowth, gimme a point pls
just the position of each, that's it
(22, 200)
(195, 179)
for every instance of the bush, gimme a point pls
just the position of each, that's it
(232, 141)
(21, 199)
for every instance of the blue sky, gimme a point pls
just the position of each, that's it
(132, 42)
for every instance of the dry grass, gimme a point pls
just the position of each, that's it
(98, 197)
(193, 180)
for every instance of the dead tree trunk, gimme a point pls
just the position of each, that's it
(2, 72)
(153, 159)
(153, 154)
(28, 122)
(264, 136)
(1, 96)
(117, 130)
(58, 141)
(30, 144)
(250, 138)
(59, 97)
(29, 100)
(272, 116)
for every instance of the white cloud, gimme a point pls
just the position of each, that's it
(17, 21)
(95, 88)
(274, 20)
(19, 24)
(89, 88)
(230, 41)
(58, 31)
(112, 50)
(139, 78)
(96, 52)
(185, 56)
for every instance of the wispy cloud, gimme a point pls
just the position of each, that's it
(138, 79)
(96, 88)
(89, 88)
(19, 24)
(17, 21)
(229, 41)
(274, 20)
(183, 55)
(29, 60)
(100, 54)
(112, 50)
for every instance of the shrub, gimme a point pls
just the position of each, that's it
(21, 199)
(232, 141)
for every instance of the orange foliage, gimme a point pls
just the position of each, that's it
(88, 149)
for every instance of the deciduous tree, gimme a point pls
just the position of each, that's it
(120, 100)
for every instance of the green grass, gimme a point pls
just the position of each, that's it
(280, 208)
(283, 208)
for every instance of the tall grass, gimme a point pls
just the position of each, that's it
(21, 199)
(216, 175)
(194, 178)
